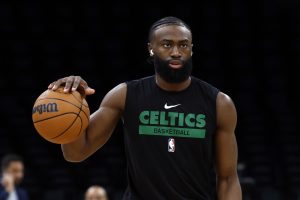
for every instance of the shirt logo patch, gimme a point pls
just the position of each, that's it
(171, 106)
(172, 124)
(171, 145)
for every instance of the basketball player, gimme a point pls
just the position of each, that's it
(177, 127)
(96, 193)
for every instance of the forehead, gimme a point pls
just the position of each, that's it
(172, 32)
(95, 192)
(14, 164)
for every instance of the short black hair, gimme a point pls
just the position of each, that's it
(165, 22)
(7, 159)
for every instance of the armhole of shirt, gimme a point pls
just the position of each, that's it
(128, 85)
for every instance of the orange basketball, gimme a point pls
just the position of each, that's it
(60, 117)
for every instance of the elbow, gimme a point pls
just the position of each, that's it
(228, 177)
(73, 158)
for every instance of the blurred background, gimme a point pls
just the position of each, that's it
(248, 49)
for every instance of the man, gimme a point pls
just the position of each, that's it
(12, 176)
(96, 193)
(177, 127)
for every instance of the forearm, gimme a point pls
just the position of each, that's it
(93, 138)
(229, 188)
(74, 151)
(83, 147)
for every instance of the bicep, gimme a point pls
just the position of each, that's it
(225, 140)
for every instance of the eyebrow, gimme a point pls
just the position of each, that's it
(181, 41)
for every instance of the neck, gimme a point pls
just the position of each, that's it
(172, 86)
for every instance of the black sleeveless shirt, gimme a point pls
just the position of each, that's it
(169, 141)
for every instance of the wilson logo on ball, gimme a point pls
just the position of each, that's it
(50, 107)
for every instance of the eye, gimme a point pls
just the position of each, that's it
(167, 45)
(183, 46)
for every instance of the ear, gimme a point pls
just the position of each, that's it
(150, 49)
(192, 49)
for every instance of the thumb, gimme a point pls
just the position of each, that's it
(85, 90)
(89, 91)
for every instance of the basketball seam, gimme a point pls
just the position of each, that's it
(80, 126)
(67, 102)
(77, 114)
(56, 137)
(84, 112)
(54, 117)
(78, 100)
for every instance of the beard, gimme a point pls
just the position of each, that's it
(171, 75)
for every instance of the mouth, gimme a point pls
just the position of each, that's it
(175, 64)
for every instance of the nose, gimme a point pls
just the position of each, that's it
(175, 53)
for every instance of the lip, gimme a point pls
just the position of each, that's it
(175, 64)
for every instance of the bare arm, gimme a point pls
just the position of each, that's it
(228, 185)
(102, 122)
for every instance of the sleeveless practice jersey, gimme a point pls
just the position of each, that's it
(169, 141)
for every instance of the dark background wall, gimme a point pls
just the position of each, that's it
(248, 49)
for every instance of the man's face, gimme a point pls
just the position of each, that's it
(16, 169)
(172, 49)
(96, 193)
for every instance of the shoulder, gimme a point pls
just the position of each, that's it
(3, 193)
(119, 89)
(2, 190)
(115, 98)
(226, 111)
(224, 101)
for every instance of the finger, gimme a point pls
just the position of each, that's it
(69, 83)
(83, 83)
(77, 80)
(88, 90)
(51, 85)
(58, 83)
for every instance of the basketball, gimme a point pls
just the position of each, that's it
(60, 117)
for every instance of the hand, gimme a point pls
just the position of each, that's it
(8, 182)
(72, 83)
